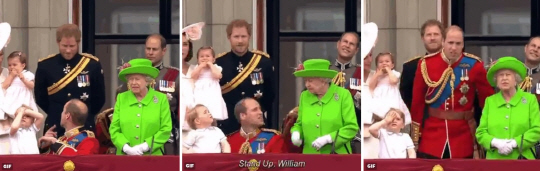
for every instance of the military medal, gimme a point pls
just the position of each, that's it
(79, 81)
(463, 100)
(257, 79)
(537, 88)
(240, 67)
(253, 79)
(83, 82)
(466, 75)
(84, 96)
(262, 148)
(464, 88)
(67, 69)
(258, 94)
(462, 76)
(166, 88)
(261, 77)
(87, 80)
(160, 85)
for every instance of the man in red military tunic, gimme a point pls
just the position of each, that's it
(251, 138)
(443, 97)
(76, 140)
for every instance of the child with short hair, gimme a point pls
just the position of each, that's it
(204, 138)
(207, 90)
(23, 131)
(393, 143)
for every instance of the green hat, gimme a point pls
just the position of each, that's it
(139, 66)
(507, 62)
(315, 68)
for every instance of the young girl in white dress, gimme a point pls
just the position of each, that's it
(18, 86)
(392, 143)
(384, 87)
(207, 90)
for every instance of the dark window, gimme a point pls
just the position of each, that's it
(300, 30)
(116, 30)
(496, 28)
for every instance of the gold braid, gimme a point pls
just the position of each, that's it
(339, 79)
(448, 73)
(526, 84)
(245, 148)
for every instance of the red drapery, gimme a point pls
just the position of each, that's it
(90, 162)
(232, 162)
(451, 165)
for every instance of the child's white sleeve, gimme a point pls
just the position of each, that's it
(396, 73)
(219, 67)
(190, 140)
(34, 128)
(409, 143)
(221, 135)
(29, 76)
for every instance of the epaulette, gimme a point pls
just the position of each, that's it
(412, 59)
(234, 132)
(171, 67)
(105, 113)
(358, 65)
(90, 56)
(472, 56)
(221, 54)
(271, 130)
(261, 53)
(430, 55)
(90, 134)
(48, 57)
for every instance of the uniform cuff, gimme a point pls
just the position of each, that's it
(56, 147)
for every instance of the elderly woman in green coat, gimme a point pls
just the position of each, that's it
(325, 113)
(510, 118)
(142, 117)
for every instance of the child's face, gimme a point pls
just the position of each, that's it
(26, 121)
(205, 55)
(385, 61)
(15, 63)
(397, 124)
(204, 119)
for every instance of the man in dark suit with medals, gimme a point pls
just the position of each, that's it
(167, 82)
(68, 75)
(531, 83)
(245, 74)
(349, 75)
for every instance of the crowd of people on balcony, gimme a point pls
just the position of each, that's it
(70, 88)
(227, 99)
(449, 103)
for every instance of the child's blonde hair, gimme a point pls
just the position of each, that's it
(401, 114)
(192, 115)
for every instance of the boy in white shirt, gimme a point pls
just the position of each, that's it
(392, 143)
(204, 138)
(23, 131)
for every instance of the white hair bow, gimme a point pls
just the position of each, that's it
(193, 31)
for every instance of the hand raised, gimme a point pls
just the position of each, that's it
(50, 132)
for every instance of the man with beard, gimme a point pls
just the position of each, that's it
(349, 75)
(67, 75)
(167, 83)
(442, 104)
(245, 74)
(532, 60)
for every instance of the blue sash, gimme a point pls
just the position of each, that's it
(263, 137)
(447, 92)
(75, 141)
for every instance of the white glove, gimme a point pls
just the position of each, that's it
(321, 141)
(131, 151)
(142, 147)
(295, 138)
(502, 145)
(512, 143)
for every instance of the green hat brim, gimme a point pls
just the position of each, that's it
(513, 64)
(145, 70)
(316, 73)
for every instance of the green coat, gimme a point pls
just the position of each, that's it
(520, 117)
(137, 122)
(335, 111)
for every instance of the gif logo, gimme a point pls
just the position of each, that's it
(189, 166)
(371, 166)
(7, 166)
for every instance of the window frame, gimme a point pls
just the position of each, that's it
(458, 18)
(91, 38)
(275, 36)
